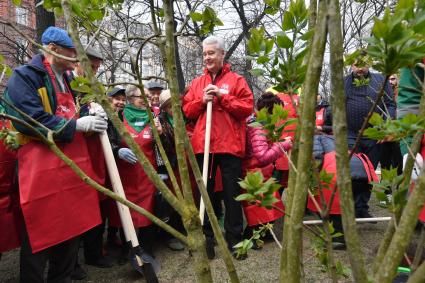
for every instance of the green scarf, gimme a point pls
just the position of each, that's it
(137, 118)
(169, 119)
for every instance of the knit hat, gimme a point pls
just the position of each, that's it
(164, 97)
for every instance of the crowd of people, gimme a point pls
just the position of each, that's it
(51, 212)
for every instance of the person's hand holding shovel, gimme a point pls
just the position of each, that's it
(209, 92)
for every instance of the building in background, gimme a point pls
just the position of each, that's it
(14, 48)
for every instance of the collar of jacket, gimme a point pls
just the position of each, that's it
(37, 63)
(225, 69)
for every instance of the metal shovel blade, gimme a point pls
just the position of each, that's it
(145, 264)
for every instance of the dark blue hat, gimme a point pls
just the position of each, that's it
(116, 91)
(57, 36)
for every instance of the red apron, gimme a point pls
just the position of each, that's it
(256, 215)
(10, 215)
(329, 165)
(320, 119)
(138, 188)
(98, 161)
(57, 205)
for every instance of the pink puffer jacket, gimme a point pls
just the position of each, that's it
(259, 152)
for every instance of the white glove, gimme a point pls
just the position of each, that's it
(91, 124)
(127, 155)
(417, 167)
(97, 110)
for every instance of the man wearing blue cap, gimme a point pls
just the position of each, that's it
(56, 204)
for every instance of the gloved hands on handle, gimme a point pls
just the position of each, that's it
(91, 124)
(97, 110)
(127, 155)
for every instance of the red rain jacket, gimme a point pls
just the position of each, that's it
(288, 104)
(228, 129)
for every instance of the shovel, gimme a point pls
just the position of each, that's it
(140, 260)
(206, 157)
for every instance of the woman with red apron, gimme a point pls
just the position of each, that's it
(323, 116)
(138, 188)
(361, 169)
(10, 215)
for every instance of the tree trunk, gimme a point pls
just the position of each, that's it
(294, 241)
(340, 127)
(419, 275)
(292, 178)
(180, 74)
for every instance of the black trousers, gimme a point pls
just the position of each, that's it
(231, 171)
(391, 156)
(362, 190)
(146, 237)
(361, 193)
(61, 258)
(93, 242)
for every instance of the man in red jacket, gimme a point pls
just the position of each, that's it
(232, 104)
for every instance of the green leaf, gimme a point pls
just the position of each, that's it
(388, 174)
(75, 7)
(244, 197)
(208, 14)
(256, 72)
(283, 41)
(374, 133)
(95, 15)
(17, 2)
(381, 196)
(288, 21)
(160, 12)
(376, 119)
(307, 35)
(268, 46)
(410, 119)
(196, 17)
(263, 59)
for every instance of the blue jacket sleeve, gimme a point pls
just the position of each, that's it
(22, 92)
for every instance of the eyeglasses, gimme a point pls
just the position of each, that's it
(392, 79)
(136, 96)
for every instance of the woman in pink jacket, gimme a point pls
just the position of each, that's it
(261, 156)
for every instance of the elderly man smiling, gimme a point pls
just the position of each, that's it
(232, 102)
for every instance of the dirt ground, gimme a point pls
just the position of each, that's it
(261, 265)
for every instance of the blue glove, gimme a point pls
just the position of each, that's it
(127, 155)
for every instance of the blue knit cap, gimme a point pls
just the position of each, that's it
(57, 36)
